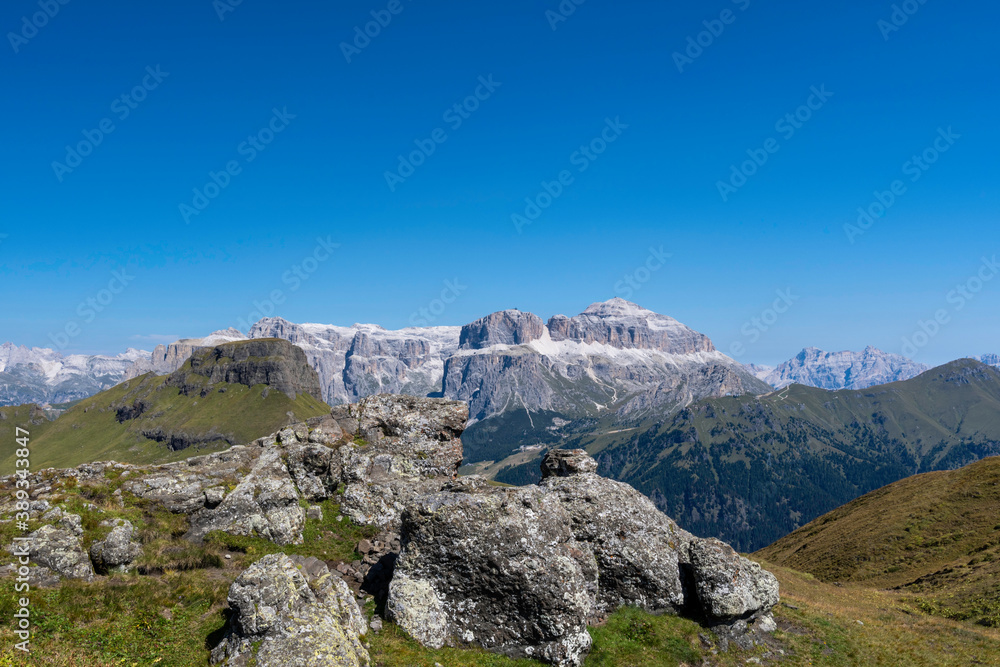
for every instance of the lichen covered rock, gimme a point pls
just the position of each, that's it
(498, 569)
(118, 551)
(291, 611)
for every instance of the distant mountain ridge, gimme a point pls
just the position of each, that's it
(41, 375)
(750, 469)
(813, 367)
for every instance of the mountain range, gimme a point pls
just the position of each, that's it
(615, 353)
(615, 357)
(44, 376)
(840, 370)
(751, 469)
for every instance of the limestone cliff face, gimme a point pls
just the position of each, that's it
(625, 325)
(507, 327)
(269, 361)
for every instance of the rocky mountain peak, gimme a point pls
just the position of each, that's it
(506, 327)
(841, 370)
(271, 361)
(626, 325)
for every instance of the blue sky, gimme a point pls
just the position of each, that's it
(640, 136)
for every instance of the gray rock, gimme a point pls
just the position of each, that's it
(292, 611)
(412, 446)
(72, 523)
(265, 503)
(507, 327)
(566, 462)
(729, 586)
(59, 550)
(522, 571)
(118, 551)
(637, 548)
(498, 569)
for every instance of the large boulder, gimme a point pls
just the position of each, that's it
(497, 568)
(289, 610)
(637, 548)
(523, 571)
(57, 547)
(117, 551)
(732, 594)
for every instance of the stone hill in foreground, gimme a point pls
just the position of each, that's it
(562, 554)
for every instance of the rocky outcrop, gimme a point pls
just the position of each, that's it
(407, 446)
(271, 361)
(289, 610)
(522, 571)
(507, 327)
(265, 503)
(118, 551)
(57, 548)
(497, 569)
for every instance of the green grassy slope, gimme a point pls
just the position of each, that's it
(95, 429)
(935, 536)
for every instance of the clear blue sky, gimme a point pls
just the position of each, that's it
(323, 175)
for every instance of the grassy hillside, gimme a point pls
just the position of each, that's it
(170, 425)
(935, 537)
(751, 469)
